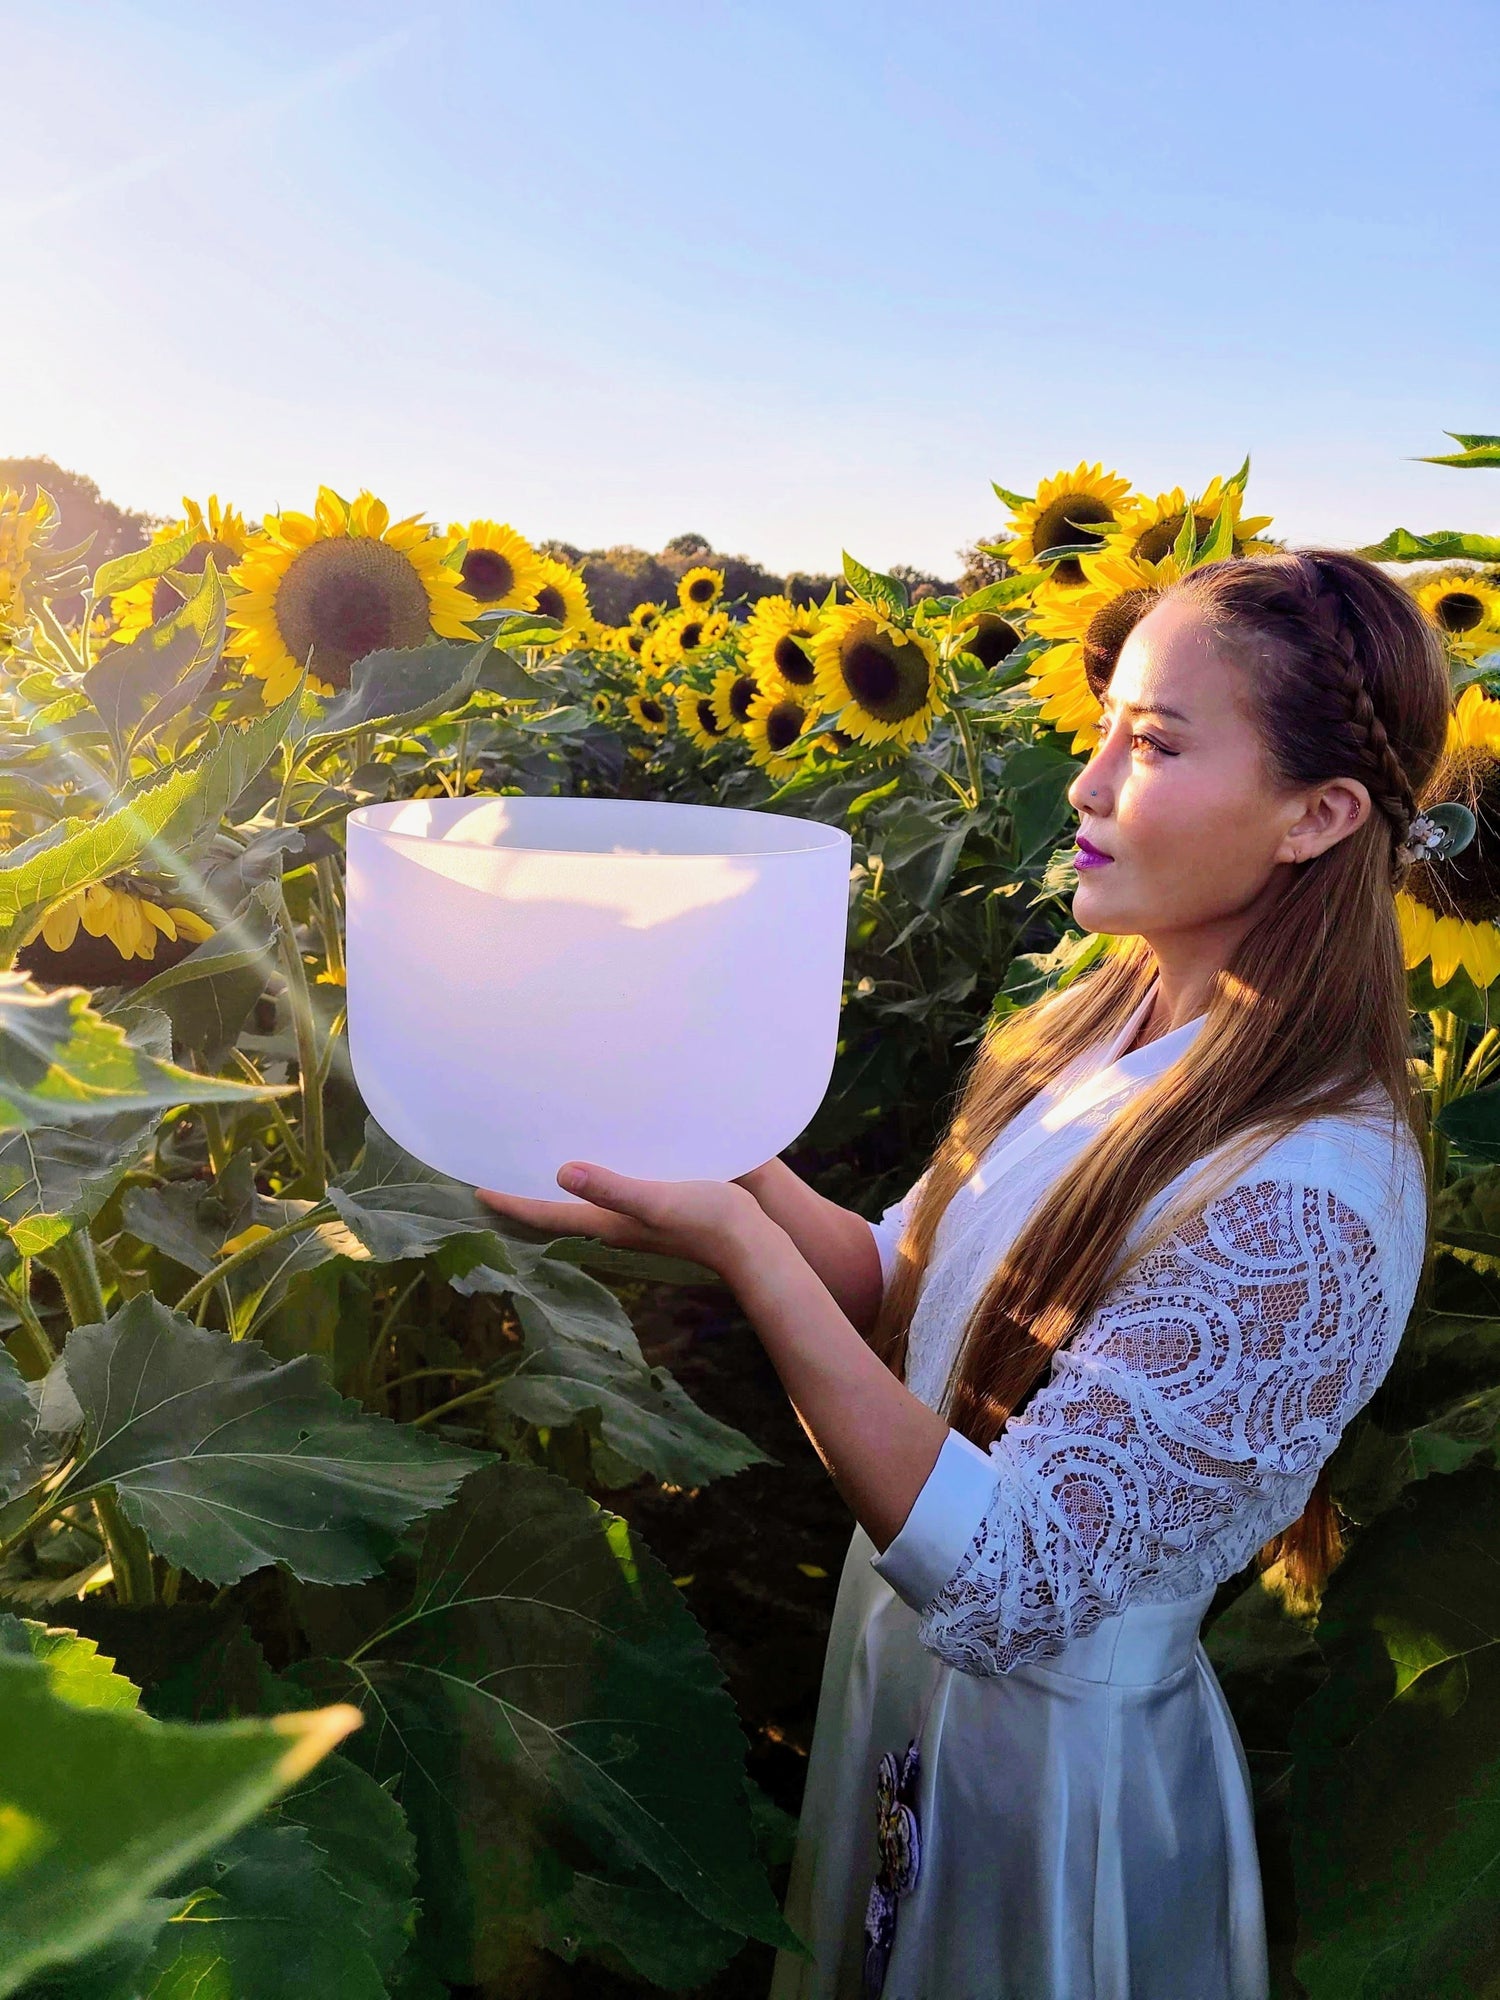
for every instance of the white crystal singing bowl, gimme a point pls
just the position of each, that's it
(531, 980)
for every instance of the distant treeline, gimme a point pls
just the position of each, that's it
(618, 578)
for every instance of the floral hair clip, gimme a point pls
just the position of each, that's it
(1438, 833)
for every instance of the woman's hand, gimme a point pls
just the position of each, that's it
(707, 1222)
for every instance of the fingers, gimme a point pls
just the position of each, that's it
(562, 1218)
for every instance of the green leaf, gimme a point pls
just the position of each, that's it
(52, 1182)
(366, 1850)
(1219, 544)
(62, 1064)
(156, 820)
(1401, 545)
(268, 1922)
(886, 593)
(152, 561)
(101, 1806)
(401, 686)
(994, 596)
(1474, 1121)
(582, 1356)
(227, 1460)
(545, 1697)
(1477, 451)
(1015, 501)
(21, 1454)
(76, 1670)
(1036, 779)
(1396, 1780)
(208, 995)
(151, 678)
(399, 1208)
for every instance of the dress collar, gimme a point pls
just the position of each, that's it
(1155, 1056)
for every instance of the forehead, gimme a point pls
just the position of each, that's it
(1173, 660)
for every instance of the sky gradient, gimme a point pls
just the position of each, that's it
(797, 277)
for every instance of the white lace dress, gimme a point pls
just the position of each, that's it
(1083, 1797)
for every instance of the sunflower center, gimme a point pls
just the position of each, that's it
(791, 661)
(652, 709)
(708, 722)
(1160, 538)
(890, 682)
(488, 575)
(1064, 524)
(1460, 611)
(1468, 886)
(346, 597)
(691, 634)
(784, 724)
(549, 601)
(635, 641)
(1108, 630)
(741, 695)
(991, 640)
(701, 590)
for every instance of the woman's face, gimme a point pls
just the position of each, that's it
(1178, 794)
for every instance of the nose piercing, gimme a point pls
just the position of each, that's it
(1092, 795)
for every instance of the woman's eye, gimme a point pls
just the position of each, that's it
(1150, 743)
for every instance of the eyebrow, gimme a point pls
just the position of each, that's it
(1151, 708)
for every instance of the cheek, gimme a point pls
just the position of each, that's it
(1205, 821)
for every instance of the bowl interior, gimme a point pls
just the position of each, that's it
(597, 826)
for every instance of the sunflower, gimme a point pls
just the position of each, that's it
(1088, 627)
(499, 570)
(989, 638)
(325, 589)
(1467, 608)
(122, 914)
(1450, 910)
(561, 594)
(778, 642)
(1152, 532)
(881, 682)
(24, 533)
(647, 706)
(731, 694)
(775, 719)
(681, 634)
(220, 533)
(697, 717)
(1070, 508)
(700, 589)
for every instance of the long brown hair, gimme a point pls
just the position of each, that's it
(1346, 678)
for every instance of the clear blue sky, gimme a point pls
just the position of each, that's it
(798, 276)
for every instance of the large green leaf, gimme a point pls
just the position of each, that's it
(208, 995)
(152, 561)
(53, 1182)
(1396, 1783)
(154, 822)
(887, 593)
(1479, 449)
(399, 1208)
(1446, 545)
(100, 1806)
(61, 1063)
(545, 1696)
(269, 1922)
(367, 1851)
(21, 1450)
(402, 686)
(147, 680)
(582, 1359)
(1474, 1121)
(227, 1460)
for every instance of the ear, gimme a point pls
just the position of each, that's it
(1326, 815)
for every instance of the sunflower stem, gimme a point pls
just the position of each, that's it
(72, 1263)
(309, 1068)
(461, 781)
(328, 915)
(976, 775)
(129, 1556)
(31, 1334)
(227, 1266)
(1447, 1042)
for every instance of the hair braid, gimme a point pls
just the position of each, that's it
(1392, 790)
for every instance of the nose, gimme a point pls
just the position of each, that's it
(1088, 791)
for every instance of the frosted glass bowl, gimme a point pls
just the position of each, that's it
(531, 980)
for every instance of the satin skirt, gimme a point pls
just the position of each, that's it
(1087, 1828)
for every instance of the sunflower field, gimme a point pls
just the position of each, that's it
(314, 1611)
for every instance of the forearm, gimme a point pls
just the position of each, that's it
(877, 1440)
(835, 1242)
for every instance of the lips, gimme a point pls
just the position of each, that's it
(1089, 856)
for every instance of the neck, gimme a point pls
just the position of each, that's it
(1186, 965)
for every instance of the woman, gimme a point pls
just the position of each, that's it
(1094, 1361)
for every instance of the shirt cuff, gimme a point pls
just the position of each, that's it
(935, 1538)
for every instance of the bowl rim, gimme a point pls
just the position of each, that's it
(364, 817)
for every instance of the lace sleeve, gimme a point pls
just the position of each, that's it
(1181, 1428)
